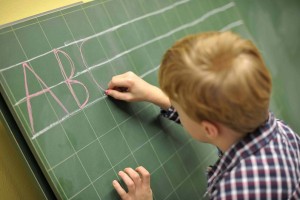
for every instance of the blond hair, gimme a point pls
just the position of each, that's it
(218, 77)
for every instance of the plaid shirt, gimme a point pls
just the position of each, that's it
(263, 165)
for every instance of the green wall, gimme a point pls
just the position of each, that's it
(274, 25)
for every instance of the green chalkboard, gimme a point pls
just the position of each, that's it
(54, 70)
(274, 27)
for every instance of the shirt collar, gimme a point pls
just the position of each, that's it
(242, 149)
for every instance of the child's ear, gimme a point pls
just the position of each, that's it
(210, 129)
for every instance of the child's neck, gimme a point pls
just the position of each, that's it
(227, 138)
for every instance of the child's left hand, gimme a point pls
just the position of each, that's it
(138, 184)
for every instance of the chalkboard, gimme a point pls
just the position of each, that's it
(54, 70)
(273, 25)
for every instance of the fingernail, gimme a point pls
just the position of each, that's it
(106, 92)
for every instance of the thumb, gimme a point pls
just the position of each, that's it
(118, 95)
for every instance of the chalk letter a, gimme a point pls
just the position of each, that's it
(29, 96)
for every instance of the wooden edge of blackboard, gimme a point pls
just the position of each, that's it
(40, 14)
(6, 116)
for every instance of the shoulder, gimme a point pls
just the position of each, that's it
(268, 168)
(265, 175)
(288, 133)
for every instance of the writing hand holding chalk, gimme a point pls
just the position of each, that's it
(130, 87)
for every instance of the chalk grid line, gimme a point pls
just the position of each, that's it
(229, 26)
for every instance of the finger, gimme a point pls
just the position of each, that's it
(119, 189)
(145, 175)
(128, 181)
(118, 81)
(125, 96)
(133, 175)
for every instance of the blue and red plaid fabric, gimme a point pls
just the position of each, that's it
(263, 165)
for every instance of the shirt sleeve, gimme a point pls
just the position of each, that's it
(171, 114)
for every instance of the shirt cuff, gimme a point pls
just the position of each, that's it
(171, 114)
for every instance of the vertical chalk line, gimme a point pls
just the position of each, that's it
(193, 23)
(101, 33)
(232, 25)
(65, 117)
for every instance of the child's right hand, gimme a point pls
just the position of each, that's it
(130, 87)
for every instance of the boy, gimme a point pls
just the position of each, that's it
(219, 86)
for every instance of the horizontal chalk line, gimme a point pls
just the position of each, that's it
(103, 32)
(193, 23)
